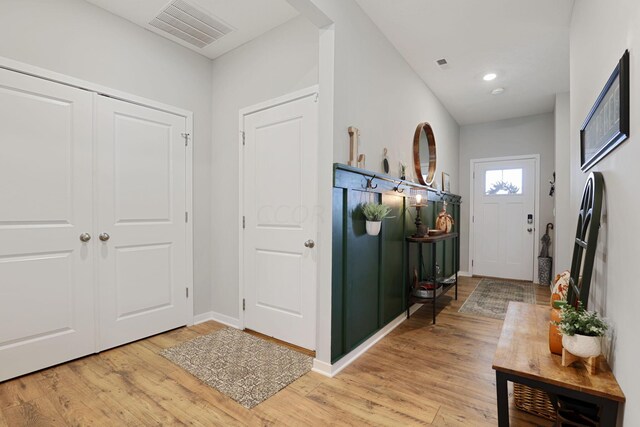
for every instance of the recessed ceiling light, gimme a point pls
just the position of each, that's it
(497, 91)
(489, 77)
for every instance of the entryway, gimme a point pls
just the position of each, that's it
(279, 176)
(504, 217)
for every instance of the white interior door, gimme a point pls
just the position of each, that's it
(141, 220)
(46, 282)
(503, 218)
(280, 193)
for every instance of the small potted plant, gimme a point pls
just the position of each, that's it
(375, 213)
(581, 331)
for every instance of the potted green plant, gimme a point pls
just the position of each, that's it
(581, 331)
(375, 213)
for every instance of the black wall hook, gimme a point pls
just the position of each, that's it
(370, 185)
(397, 188)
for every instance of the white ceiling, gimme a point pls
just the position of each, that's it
(525, 42)
(249, 18)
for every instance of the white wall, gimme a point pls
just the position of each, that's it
(279, 62)
(76, 38)
(512, 137)
(615, 290)
(564, 231)
(380, 94)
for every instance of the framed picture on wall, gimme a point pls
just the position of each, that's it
(446, 182)
(607, 124)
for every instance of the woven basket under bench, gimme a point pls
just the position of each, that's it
(534, 401)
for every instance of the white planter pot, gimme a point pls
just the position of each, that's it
(582, 345)
(373, 227)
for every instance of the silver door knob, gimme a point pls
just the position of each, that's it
(529, 230)
(85, 237)
(309, 243)
(104, 237)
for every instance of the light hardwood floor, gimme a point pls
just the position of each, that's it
(419, 374)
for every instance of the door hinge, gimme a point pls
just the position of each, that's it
(187, 289)
(186, 217)
(186, 138)
(243, 304)
(244, 222)
(244, 136)
(471, 263)
(473, 218)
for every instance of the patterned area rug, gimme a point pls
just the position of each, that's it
(245, 368)
(491, 297)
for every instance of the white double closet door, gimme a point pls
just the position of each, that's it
(92, 223)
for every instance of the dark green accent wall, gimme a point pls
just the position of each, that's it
(369, 280)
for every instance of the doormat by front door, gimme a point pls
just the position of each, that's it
(246, 368)
(491, 297)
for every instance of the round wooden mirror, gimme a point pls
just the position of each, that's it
(424, 154)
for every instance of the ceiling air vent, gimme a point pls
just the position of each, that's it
(188, 23)
(442, 63)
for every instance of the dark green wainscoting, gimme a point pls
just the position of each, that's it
(369, 277)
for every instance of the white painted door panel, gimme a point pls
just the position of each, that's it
(141, 206)
(280, 193)
(504, 196)
(46, 282)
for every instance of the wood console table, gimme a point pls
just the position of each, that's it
(446, 283)
(523, 357)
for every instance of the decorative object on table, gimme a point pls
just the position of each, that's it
(246, 368)
(446, 182)
(558, 299)
(419, 200)
(435, 232)
(361, 161)
(586, 240)
(582, 333)
(424, 154)
(375, 213)
(444, 222)
(607, 124)
(560, 288)
(491, 297)
(555, 337)
(385, 161)
(545, 262)
(552, 189)
(354, 134)
(403, 171)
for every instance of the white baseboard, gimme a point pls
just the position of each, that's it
(464, 274)
(201, 318)
(217, 317)
(331, 370)
(321, 367)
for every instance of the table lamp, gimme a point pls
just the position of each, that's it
(418, 200)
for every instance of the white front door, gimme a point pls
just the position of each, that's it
(46, 281)
(141, 221)
(279, 198)
(503, 218)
